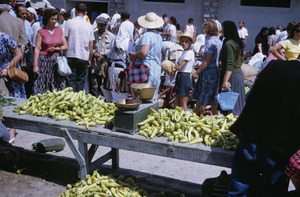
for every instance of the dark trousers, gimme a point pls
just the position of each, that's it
(79, 72)
(29, 70)
(252, 161)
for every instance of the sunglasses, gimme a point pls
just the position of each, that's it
(297, 30)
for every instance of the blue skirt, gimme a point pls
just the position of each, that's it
(183, 84)
(207, 87)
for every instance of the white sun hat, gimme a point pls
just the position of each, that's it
(150, 21)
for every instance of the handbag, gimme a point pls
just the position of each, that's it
(137, 73)
(16, 74)
(63, 68)
(227, 100)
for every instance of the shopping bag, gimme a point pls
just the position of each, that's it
(227, 100)
(137, 73)
(63, 68)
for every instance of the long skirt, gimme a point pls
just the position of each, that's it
(48, 77)
(237, 85)
(207, 87)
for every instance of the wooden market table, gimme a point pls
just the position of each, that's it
(99, 135)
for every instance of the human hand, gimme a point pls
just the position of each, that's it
(96, 55)
(131, 55)
(225, 86)
(4, 72)
(35, 70)
(195, 75)
(52, 49)
(89, 64)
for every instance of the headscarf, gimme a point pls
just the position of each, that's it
(33, 11)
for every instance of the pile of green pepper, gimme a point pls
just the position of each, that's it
(85, 109)
(181, 126)
(99, 185)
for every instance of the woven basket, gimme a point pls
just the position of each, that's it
(227, 100)
(17, 75)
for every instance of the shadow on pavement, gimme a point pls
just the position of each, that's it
(64, 170)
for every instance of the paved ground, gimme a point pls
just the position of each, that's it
(170, 168)
(32, 184)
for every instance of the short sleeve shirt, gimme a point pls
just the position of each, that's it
(152, 38)
(213, 46)
(292, 48)
(79, 33)
(7, 43)
(189, 57)
(243, 33)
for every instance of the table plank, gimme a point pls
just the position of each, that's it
(99, 135)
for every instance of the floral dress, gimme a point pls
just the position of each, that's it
(7, 43)
(207, 86)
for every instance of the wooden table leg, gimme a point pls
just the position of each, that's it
(84, 152)
(80, 155)
(115, 158)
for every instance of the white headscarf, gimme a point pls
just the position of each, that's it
(33, 11)
(115, 18)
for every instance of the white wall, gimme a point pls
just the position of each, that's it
(181, 11)
(257, 17)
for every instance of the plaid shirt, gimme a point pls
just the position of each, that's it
(79, 33)
(293, 167)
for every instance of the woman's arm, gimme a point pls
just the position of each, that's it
(225, 83)
(205, 64)
(276, 51)
(17, 56)
(195, 32)
(230, 54)
(36, 55)
(143, 52)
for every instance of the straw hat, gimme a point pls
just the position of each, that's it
(187, 34)
(150, 21)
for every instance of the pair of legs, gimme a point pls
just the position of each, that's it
(252, 161)
(199, 109)
(181, 101)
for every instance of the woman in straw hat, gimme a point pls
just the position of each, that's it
(183, 83)
(149, 48)
(207, 85)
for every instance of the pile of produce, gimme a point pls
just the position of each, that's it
(85, 109)
(6, 101)
(181, 126)
(97, 185)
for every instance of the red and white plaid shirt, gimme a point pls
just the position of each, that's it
(292, 169)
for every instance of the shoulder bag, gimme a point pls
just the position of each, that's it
(137, 73)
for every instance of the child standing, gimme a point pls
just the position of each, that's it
(183, 83)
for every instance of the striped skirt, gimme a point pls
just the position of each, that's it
(48, 77)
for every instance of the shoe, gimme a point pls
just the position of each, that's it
(12, 140)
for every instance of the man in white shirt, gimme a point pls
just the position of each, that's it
(243, 32)
(102, 45)
(80, 36)
(125, 33)
(279, 30)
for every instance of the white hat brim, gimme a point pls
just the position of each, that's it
(150, 25)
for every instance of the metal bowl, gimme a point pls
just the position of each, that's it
(143, 91)
(122, 104)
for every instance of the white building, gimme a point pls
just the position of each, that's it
(255, 13)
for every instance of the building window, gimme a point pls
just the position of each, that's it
(267, 3)
(166, 1)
